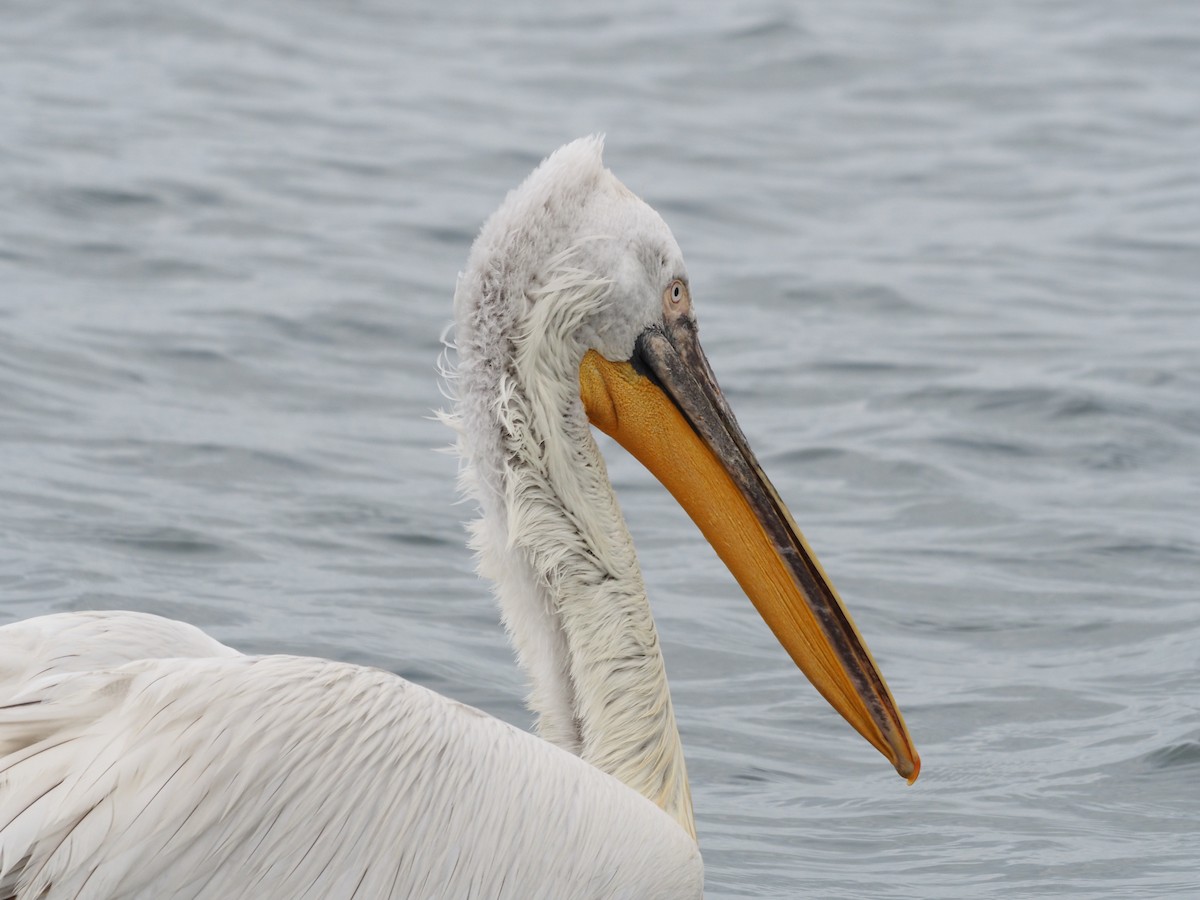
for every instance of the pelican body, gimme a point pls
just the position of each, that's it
(140, 758)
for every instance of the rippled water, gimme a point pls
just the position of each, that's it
(946, 259)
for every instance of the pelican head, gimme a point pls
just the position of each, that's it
(576, 309)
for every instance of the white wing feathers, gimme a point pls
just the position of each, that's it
(85, 641)
(232, 776)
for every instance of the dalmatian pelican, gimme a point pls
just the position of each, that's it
(140, 758)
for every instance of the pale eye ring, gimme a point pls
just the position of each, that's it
(677, 292)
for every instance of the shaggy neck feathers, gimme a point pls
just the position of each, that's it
(551, 536)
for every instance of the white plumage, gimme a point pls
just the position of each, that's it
(141, 759)
(288, 777)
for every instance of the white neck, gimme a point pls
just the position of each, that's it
(553, 540)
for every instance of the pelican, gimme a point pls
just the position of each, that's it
(140, 758)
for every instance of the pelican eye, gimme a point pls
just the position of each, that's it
(676, 292)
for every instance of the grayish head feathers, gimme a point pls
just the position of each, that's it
(571, 223)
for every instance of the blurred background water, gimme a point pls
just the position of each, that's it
(946, 261)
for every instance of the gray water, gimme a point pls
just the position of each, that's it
(946, 260)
